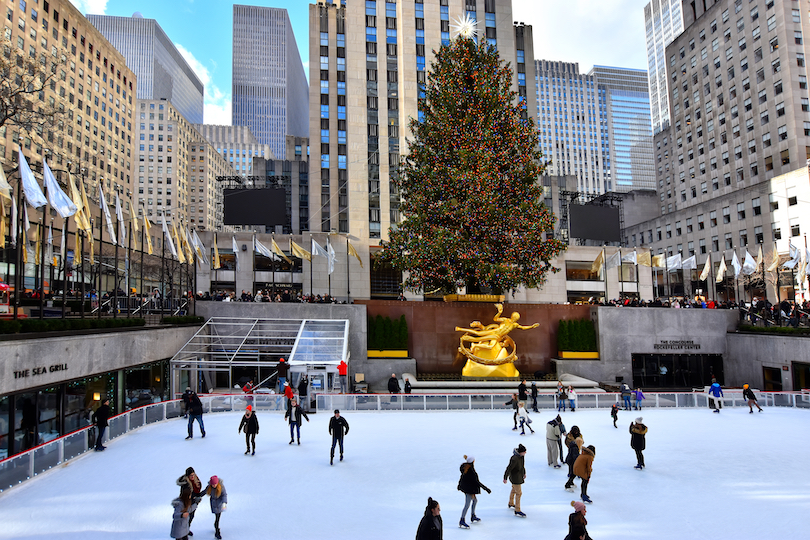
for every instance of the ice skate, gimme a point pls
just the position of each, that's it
(474, 518)
(518, 513)
(569, 488)
(341, 457)
(463, 524)
(587, 499)
(638, 467)
(218, 535)
(247, 451)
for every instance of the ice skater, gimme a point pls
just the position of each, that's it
(639, 396)
(525, 421)
(562, 397)
(514, 404)
(195, 412)
(522, 396)
(251, 426)
(338, 427)
(516, 473)
(625, 391)
(430, 528)
(577, 523)
(219, 501)
(294, 413)
(534, 397)
(470, 486)
(614, 413)
(182, 506)
(715, 393)
(583, 467)
(572, 398)
(638, 440)
(100, 418)
(553, 437)
(748, 394)
(574, 443)
(194, 483)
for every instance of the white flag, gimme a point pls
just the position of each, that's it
(59, 201)
(49, 245)
(331, 256)
(235, 247)
(261, 249)
(674, 263)
(33, 194)
(721, 272)
(13, 221)
(704, 275)
(318, 250)
(689, 264)
(749, 264)
(803, 269)
(199, 246)
(5, 187)
(106, 210)
(795, 257)
(613, 261)
(630, 257)
(735, 262)
(122, 232)
(167, 237)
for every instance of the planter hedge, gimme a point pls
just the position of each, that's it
(576, 335)
(385, 334)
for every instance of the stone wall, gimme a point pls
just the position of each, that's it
(749, 353)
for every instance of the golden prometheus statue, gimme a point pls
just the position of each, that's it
(490, 351)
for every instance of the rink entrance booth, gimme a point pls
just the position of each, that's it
(226, 353)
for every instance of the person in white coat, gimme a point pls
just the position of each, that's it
(523, 418)
(572, 398)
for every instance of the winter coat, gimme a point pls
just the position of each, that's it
(515, 471)
(407, 387)
(282, 369)
(393, 385)
(572, 395)
(715, 390)
(522, 414)
(219, 497)
(186, 400)
(639, 395)
(195, 406)
(614, 411)
(638, 439)
(430, 528)
(343, 368)
(338, 427)
(553, 430)
(749, 394)
(302, 387)
(574, 445)
(101, 416)
(179, 523)
(469, 482)
(562, 394)
(576, 527)
(250, 424)
(294, 414)
(625, 390)
(534, 391)
(583, 466)
(288, 392)
(522, 392)
(514, 403)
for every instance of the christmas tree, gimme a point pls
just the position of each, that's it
(473, 212)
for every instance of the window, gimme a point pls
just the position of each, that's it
(743, 238)
(802, 82)
(702, 246)
(769, 163)
(726, 214)
(782, 133)
(713, 218)
(791, 195)
(728, 242)
(800, 59)
(776, 232)
(703, 189)
(766, 140)
(797, 37)
(700, 223)
(715, 244)
(763, 117)
(794, 227)
(741, 210)
(771, 22)
(755, 206)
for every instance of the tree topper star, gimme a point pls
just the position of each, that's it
(467, 27)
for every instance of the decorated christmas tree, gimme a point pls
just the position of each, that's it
(473, 212)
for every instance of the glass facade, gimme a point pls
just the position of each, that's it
(663, 20)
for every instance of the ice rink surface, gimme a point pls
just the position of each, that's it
(730, 475)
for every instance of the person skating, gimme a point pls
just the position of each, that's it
(393, 384)
(186, 401)
(294, 413)
(638, 440)
(639, 395)
(553, 437)
(303, 386)
(514, 402)
(195, 412)
(562, 398)
(572, 398)
(715, 393)
(625, 391)
(100, 418)
(614, 413)
(430, 527)
(523, 417)
(522, 396)
(251, 426)
(282, 369)
(577, 523)
(181, 505)
(583, 467)
(748, 395)
(219, 501)
(574, 443)
(470, 486)
(194, 483)
(408, 387)
(343, 375)
(338, 427)
(516, 473)
(534, 397)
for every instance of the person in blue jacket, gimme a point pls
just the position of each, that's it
(715, 392)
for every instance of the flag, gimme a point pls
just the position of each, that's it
(674, 263)
(5, 187)
(613, 261)
(179, 246)
(759, 257)
(735, 263)
(331, 256)
(277, 251)
(644, 259)
(773, 264)
(189, 252)
(82, 221)
(216, 254)
(63, 246)
(33, 194)
(146, 235)
(59, 201)
(721, 272)
(318, 250)
(235, 247)
(261, 249)
(106, 210)
(199, 246)
(119, 216)
(659, 261)
(13, 221)
(24, 242)
(2, 223)
(300, 252)
(795, 256)
(37, 246)
(631, 257)
(351, 251)
(596, 266)
(89, 230)
(749, 264)
(167, 237)
(803, 268)
(704, 274)
(690, 263)
(49, 251)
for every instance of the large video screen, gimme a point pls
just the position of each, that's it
(259, 206)
(592, 222)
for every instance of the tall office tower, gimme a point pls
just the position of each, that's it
(663, 21)
(237, 145)
(270, 88)
(162, 71)
(572, 124)
(623, 94)
(94, 85)
(292, 174)
(369, 60)
(176, 168)
(731, 168)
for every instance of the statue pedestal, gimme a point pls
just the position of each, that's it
(474, 369)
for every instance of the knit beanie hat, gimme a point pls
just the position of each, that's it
(578, 506)
(469, 459)
(214, 480)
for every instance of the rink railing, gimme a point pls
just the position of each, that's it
(22, 467)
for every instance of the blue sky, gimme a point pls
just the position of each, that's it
(602, 32)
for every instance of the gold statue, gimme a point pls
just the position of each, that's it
(491, 351)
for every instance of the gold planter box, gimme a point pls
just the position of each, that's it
(387, 354)
(579, 355)
(489, 298)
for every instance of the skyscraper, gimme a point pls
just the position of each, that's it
(663, 20)
(161, 70)
(270, 90)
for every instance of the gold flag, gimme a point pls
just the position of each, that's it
(81, 216)
(300, 252)
(704, 275)
(644, 258)
(659, 261)
(774, 261)
(37, 247)
(86, 209)
(2, 223)
(277, 251)
(24, 246)
(597, 263)
(191, 253)
(180, 256)
(146, 235)
(216, 254)
(353, 252)
(759, 258)
(721, 272)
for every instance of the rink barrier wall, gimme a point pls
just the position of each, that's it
(20, 468)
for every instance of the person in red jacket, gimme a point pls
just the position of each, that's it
(343, 372)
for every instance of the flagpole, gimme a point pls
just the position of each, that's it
(65, 227)
(115, 280)
(604, 266)
(20, 247)
(348, 288)
(254, 259)
(655, 277)
(638, 289)
(273, 263)
(311, 292)
(100, 245)
(162, 289)
(292, 290)
(329, 274)
(129, 265)
(666, 278)
(621, 275)
(83, 276)
(140, 289)
(42, 264)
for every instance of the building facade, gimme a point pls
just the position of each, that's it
(731, 168)
(292, 174)
(270, 89)
(237, 145)
(663, 22)
(161, 70)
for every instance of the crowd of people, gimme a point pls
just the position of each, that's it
(266, 295)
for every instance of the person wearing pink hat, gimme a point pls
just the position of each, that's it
(251, 425)
(577, 523)
(219, 501)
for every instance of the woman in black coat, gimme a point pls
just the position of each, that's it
(577, 523)
(430, 528)
(251, 426)
(470, 486)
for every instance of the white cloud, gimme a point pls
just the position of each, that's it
(217, 104)
(91, 7)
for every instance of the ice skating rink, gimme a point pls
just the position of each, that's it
(729, 475)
